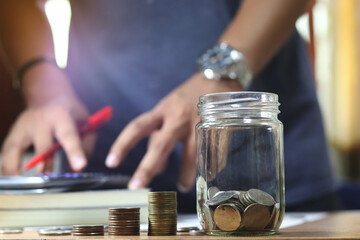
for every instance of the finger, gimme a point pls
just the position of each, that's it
(11, 154)
(188, 165)
(11, 160)
(137, 129)
(160, 145)
(67, 134)
(88, 143)
(42, 141)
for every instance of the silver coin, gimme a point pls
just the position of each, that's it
(212, 191)
(261, 197)
(88, 234)
(274, 216)
(187, 229)
(208, 223)
(201, 188)
(11, 230)
(196, 232)
(238, 204)
(52, 232)
(59, 228)
(201, 193)
(246, 200)
(240, 194)
(222, 197)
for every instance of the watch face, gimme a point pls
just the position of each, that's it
(224, 62)
(219, 57)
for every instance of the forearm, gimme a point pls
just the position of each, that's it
(24, 31)
(25, 35)
(261, 27)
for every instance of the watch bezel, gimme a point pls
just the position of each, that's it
(214, 64)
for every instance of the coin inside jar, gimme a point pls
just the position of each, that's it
(227, 217)
(274, 216)
(212, 191)
(256, 217)
(222, 197)
(252, 210)
(260, 197)
(208, 218)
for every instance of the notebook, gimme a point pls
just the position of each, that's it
(25, 207)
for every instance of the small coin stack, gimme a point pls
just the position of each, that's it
(162, 213)
(55, 231)
(51, 232)
(88, 230)
(124, 221)
(251, 210)
(6, 230)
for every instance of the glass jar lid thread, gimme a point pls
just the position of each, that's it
(239, 104)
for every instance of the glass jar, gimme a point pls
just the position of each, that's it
(240, 166)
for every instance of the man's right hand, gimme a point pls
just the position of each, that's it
(40, 126)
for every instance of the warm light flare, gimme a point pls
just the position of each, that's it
(58, 13)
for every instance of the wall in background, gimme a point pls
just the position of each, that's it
(337, 46)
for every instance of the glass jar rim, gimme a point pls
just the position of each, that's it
(234, 101)
(246, 95)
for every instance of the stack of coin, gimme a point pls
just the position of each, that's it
(55, 231)
(6, 230)
(88, 230)
(162, 213)
(124, 221)
(235, 210)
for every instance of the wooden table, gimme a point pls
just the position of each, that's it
(340, 225)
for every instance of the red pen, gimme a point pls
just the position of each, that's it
(95, 121)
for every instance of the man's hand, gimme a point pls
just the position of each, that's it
(40, 126)
(172, 120)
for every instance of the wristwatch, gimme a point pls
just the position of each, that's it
(222, 62)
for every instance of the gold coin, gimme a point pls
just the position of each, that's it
(256, 217)
(227, 217)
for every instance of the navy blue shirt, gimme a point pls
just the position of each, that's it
(132, 53)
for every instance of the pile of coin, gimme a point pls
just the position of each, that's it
(251, 210)
(88, 230)
(55, 231)
(124, 221)
(5, 230)
(162, 213)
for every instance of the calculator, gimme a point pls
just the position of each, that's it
(62, 182)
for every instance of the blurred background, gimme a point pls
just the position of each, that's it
(331, 29)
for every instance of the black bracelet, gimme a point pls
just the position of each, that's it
(17, 81)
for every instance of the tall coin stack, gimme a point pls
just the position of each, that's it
(88, 230)
(162, 213)
(124, 221)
